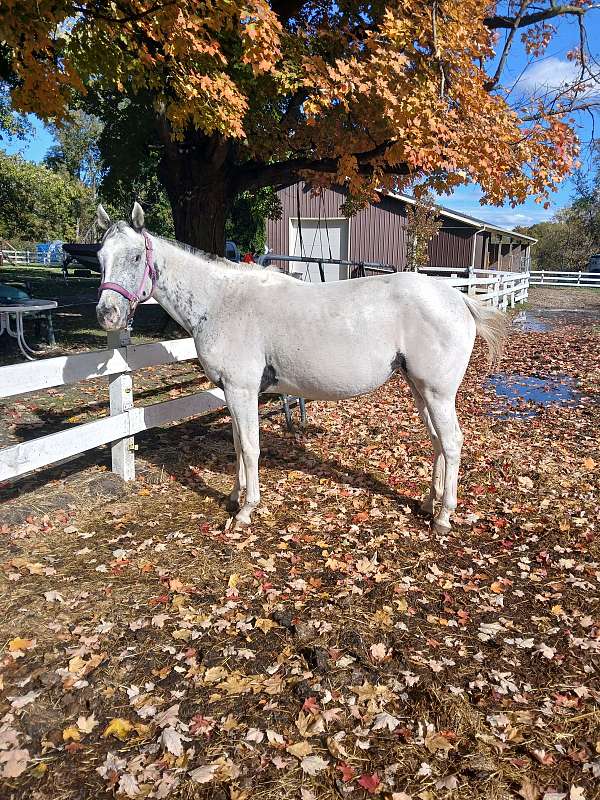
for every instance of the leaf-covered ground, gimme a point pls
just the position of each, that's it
(338, 648)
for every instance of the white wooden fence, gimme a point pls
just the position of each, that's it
(499, 289)
(121, 359)
(20, 257)
(116, 363)
(558, 278)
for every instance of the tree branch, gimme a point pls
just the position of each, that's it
(489, 85)
(501, 21)
(88, 11)
(280, 174)
(286, 9)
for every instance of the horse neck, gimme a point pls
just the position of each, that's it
(179, 274)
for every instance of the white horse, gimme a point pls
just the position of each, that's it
(259, 331)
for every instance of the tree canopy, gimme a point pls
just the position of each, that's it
(568, 240)
(37, 203)
(77, 149)
(245, 93)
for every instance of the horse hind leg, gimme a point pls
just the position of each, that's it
(436, 487)
(233, 503)
(243, 407)
(442, 412)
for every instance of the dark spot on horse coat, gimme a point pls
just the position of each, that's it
(269, 378)
(399, 363)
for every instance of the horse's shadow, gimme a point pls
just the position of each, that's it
(213, 448)
(185, 449)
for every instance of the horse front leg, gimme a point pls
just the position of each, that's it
(243, 407)
(233, 503)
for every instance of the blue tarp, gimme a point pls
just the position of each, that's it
(49, 252)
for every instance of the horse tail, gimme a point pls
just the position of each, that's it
(492, 325)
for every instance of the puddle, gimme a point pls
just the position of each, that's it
(547, 319)
(529, 322)
(521, 395)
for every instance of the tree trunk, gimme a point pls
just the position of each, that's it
(200, 214)
(197, 177)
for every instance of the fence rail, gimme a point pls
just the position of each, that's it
(21, 258)
(499, 289)
(543, 277)
(121, 359)
(116, 363)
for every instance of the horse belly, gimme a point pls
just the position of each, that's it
(335, 379)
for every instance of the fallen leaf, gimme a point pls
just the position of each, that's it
(265, 625)
(87, 724)
(313, 764)
(24, 700)
(71, 733)
(204, 774)
(435, 742)
(20, 644)
(119, 728)
(528, 790)
(369, 782)
(300, 749)
(14, 762)
(378, 651)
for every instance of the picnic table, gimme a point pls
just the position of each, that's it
(19, 308)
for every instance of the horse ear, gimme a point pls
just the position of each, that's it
(137, 216)
(102, 218)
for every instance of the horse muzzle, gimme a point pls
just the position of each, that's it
(112, 314)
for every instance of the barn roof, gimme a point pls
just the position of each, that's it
(480, 224)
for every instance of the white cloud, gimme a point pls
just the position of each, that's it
(465, 200)
(550, 75)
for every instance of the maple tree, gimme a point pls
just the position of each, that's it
(246, 93)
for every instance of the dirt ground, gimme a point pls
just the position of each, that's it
(337, 648)
(561, 297)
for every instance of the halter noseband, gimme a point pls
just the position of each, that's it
(149, 272)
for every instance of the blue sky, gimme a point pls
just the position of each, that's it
(548, 71)
(529, 74)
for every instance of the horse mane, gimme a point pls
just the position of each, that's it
(219, 260)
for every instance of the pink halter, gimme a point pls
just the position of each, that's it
(149, 272)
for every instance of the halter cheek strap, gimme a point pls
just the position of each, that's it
(149, 272)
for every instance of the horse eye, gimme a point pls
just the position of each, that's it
(137, 258)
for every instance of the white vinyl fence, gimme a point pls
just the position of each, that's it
(122, 358)
(557, 278)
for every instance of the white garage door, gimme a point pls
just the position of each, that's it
(319, 239)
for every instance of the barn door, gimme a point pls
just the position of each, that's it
(319, 239)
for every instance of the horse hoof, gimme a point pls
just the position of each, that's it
(440, 527)
(241, 524)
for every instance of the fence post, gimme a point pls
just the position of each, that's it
(496, 292)
(120, 389)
